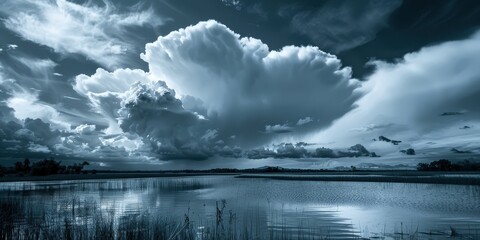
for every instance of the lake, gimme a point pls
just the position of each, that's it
(217, 207)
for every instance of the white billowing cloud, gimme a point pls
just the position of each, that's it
(303, 121)
(278, 128)
(12, 46)
(103, 81)
(244, 86)
(97, 32)
(128, 142)
(411, 99)
(104, 90)
(141, 110)
(38, 148)
(84, 129)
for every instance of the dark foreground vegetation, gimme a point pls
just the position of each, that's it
(89, 222)
(86, 220)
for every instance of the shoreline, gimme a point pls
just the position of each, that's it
(102, 176)
(419, 179)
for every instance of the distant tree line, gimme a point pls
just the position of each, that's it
(44, 167)
(446, 165)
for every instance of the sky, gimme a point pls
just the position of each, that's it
(166, 84)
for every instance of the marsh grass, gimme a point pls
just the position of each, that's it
(86, 220)
(76, 219)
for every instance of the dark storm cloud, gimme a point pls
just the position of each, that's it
(413, 25)
(34, 136)
(299, 151)
(155, 114)
(342, 25)
(34, 127)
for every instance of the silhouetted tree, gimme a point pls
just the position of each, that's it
(77, 168)
(440, 165)
(422, 167)
(19, 167)
(46, 167)
(26, 165)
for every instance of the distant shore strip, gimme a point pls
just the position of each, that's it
(433, 179)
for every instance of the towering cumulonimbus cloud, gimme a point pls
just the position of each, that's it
(220, 92)
(245, 87)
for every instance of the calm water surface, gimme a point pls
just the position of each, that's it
(298, 209)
